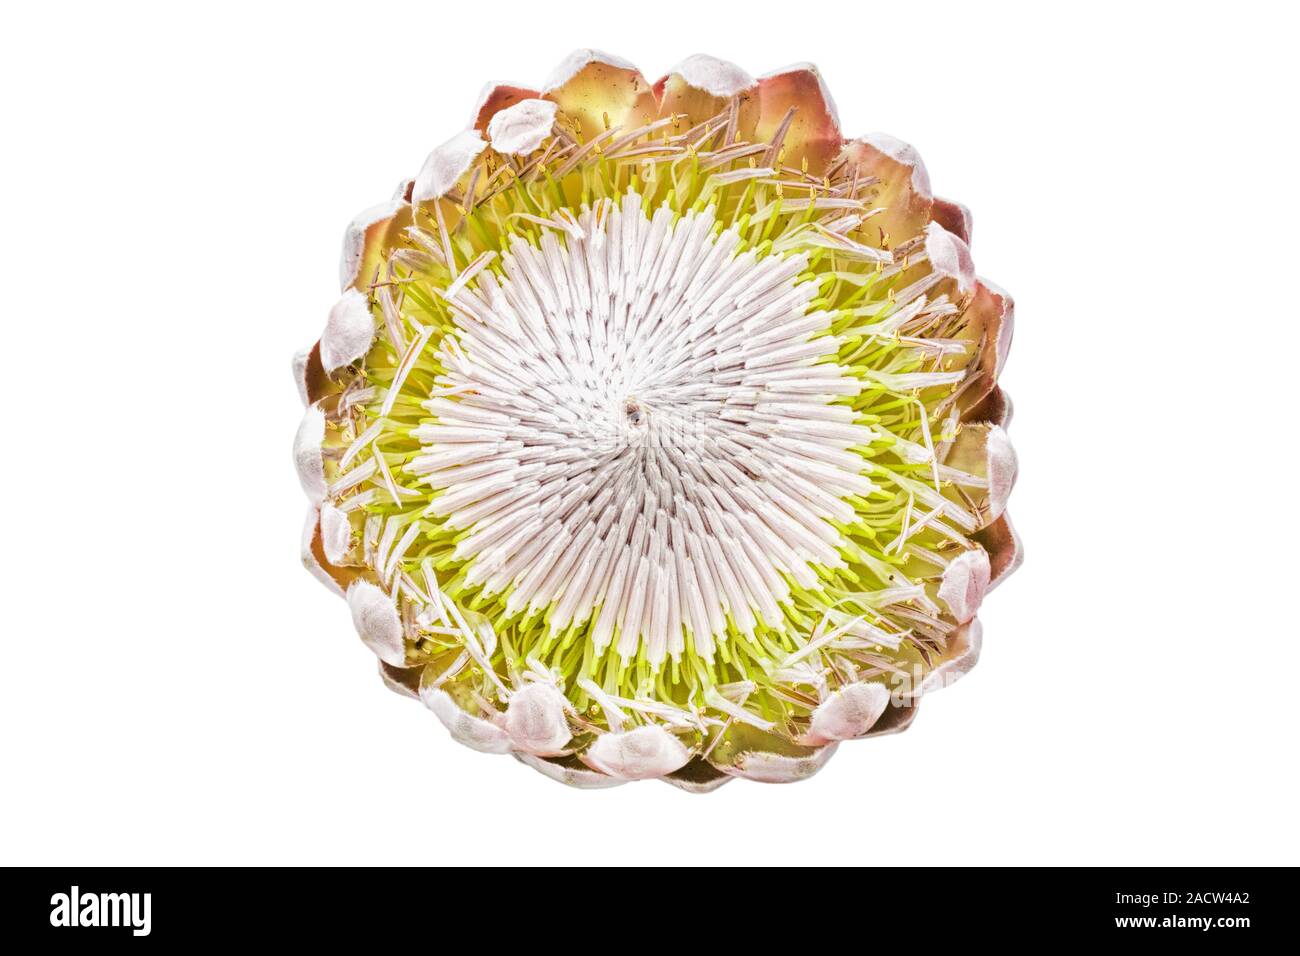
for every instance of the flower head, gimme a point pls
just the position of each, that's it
(657, 431)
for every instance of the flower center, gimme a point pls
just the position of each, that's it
(667, 429)
(640, 438)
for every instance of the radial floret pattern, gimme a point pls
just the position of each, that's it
(657, 432)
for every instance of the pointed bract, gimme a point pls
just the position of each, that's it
(377, 622)
(307, 453)
(520, 129)
(697, 776)
(847, 713)
(954, 217)
(348, 332)
(964, 583)
(311, 552)
(949, 256)
(362, 241)
(497, 97)
(898, 185)
(962, 654)
(708, 74)
(445, 166)
(1004, 549)
(599, 91)
(984, 451)
(335, 533)
(570, 772)
(639, 754)
(535, 720)
(403, 681)
(473, 732)
(813, 133)
(702, 87)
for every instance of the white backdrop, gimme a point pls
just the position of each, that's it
(175, 688)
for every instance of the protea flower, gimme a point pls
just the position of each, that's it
(657, 430)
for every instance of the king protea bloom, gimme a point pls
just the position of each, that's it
(657, 430)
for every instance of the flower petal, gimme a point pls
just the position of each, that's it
(312, 554)
(953, 216)
(307, 453)
(961, 655)
(401, 680)
(990, 322)
(309, 375)
(994, 409)
(905, 157)
(1005, 551)
(569, 771)
(377, 622)
(1002, 469)
(698, 776)
(746, 751)
(495, 98)
(301, 358)
(903, 188)
(466, 729)
(445, 166)
(349, 331)
(720, 79)
(985, 451)
(700, 87)
(778, 768)
(520, 129)
(335, 533)
(964, 583)
(600, 91)
(950, 257)
(536, 721)
(814, 132)
(847, 713)
(364, 241)
(640, 754)
(896, 718)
